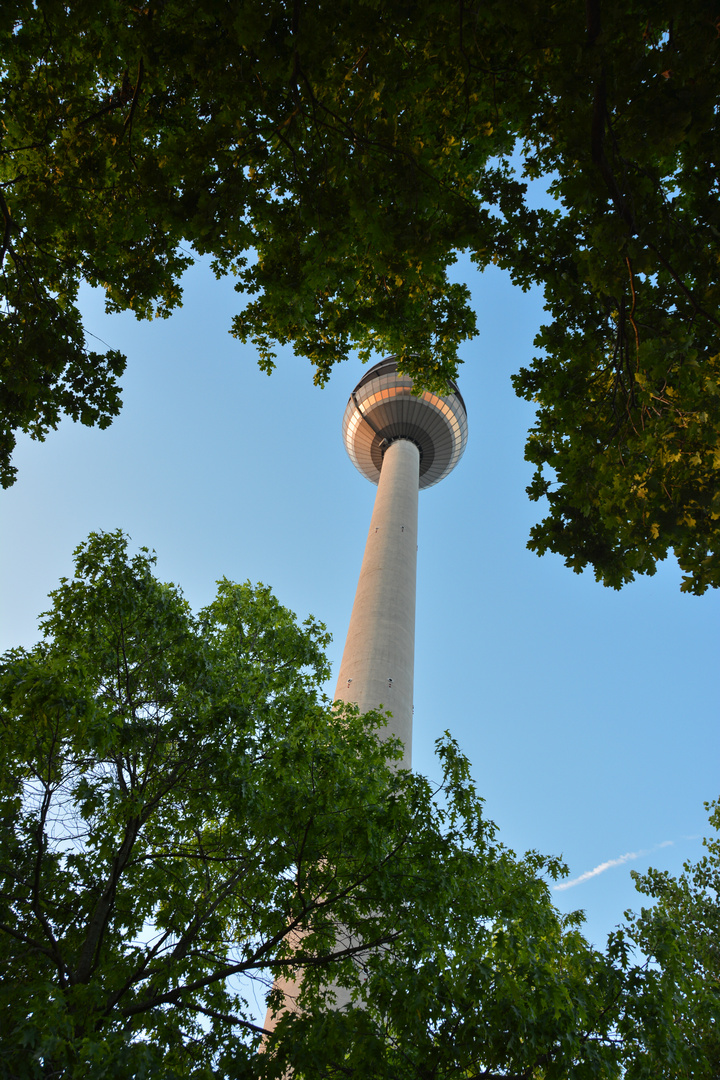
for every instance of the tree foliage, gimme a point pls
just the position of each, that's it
(179, 802)
(176, 799)
(681, 931)
(334, 158)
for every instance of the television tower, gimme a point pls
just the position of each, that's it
(402, 443)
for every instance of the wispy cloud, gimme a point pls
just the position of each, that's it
(627, 857)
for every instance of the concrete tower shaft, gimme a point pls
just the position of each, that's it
(378, 660)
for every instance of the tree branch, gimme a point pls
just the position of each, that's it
(6, 231)
(173, 997)
(100, 916)
(26, 940)
(227, 1018)
(631, 313)
(35, 905)
(114, 101)
(697, 308)
(136, 94)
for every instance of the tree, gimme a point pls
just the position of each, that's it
(335, 158)
(680, 932)
(177, 800)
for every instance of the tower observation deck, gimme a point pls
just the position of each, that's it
(382, 408)
(402, 442)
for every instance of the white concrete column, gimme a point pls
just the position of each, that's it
(377, 665)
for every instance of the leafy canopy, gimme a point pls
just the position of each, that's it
(334, 158)
(180, 806)
(681, 932)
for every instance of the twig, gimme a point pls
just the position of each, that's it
(136, 94)
(6, 232)
(632, 312)
(697, 308)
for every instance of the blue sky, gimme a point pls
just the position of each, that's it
(590, 716)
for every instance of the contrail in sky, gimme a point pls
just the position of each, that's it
(627, 857)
